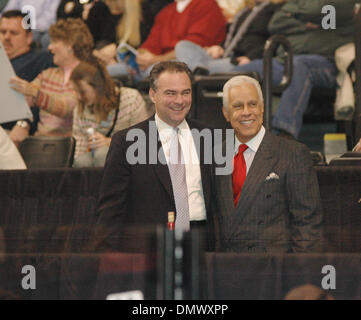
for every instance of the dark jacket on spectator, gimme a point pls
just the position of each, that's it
(291, 20)
(252, 43)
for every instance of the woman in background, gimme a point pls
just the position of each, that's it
(103, 108)
(51, 91)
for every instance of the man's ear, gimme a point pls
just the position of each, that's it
(152, 95)
(225, 113)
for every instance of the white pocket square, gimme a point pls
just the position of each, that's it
(271, 176)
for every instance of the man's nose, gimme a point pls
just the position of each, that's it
(7, 35)
(245, 110)
(178, 99)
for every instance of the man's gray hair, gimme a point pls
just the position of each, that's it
(238, 81)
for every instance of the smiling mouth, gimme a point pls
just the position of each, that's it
(246, 122)
(177, 109)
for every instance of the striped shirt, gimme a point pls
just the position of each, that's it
(56, 101)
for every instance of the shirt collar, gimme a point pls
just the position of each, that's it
(181, 5)
(252, 144)
(165, 130)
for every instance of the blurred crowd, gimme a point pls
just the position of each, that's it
(66, 63)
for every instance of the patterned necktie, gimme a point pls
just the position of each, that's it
(177, 173)
(239, 173)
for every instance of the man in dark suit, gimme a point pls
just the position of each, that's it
(271, 201)
(141, 186)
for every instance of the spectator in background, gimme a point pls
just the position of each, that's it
(200, 21)
(10, 157)
(45, 16)
(51, 91)
(27, 64)
(313, 49)
(103, 107)
(101, 17)
(245, 40)
(133, 27)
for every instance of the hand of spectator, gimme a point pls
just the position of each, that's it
(310, 26)
(145, 59)
(23, 86)
(357, 147)
(215, 51)
(98, 140)
(18, 134)
(107, 54)
(243, 60)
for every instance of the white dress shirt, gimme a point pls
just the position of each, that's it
(197, 209)
(253, 146)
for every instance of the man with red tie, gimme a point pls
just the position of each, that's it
(271, 201)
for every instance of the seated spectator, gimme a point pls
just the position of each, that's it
(51, 91)
(10, 157)
(313, 61)
(245, 40)
(199, 21)
(45, 15)
(133, 27)
(103, 107)
(27, 64)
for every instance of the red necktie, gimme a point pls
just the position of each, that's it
(239, 173)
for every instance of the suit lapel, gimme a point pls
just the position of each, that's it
(262, 164)
(161, 169)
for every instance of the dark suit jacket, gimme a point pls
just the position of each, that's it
(281, 213)
(140, 194)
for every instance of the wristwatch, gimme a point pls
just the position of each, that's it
(23, 124)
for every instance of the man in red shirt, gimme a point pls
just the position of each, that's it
(199, 21)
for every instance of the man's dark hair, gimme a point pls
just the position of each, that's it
(170, 66)
(16, 14)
